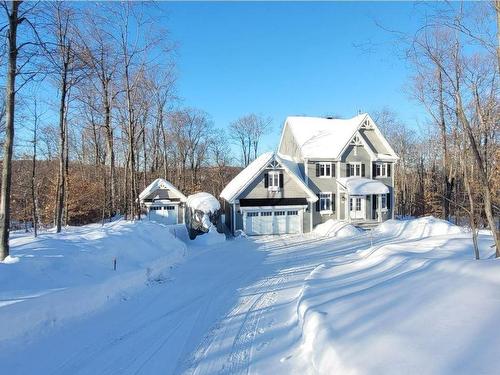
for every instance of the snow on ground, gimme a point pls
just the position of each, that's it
(336, 228)
(406, 298)
(62, 276)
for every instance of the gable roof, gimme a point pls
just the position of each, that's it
(325, 138)
(161, 183)
(238, 184)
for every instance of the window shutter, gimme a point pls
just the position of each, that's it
(388, 199)
(347, 170)
(333, 202)
(362, 170)
(317, 203)
(317, 169)
(281, 180)
(388, 170)
(334, 167)
(374, 203)
(374, 170)
(266, 180)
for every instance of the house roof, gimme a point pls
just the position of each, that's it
(326, 138)
(362, 186)
(238, 184)
(160, 183)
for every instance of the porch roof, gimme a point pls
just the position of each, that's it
(362, 186)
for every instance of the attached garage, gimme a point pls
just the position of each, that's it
(277, 220)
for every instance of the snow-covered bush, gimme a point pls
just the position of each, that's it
(203, 214)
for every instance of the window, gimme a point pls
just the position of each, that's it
(384, 201)
(325, 202)
(170, 208)
(279, 213)
(266, 213)
(293, 213)
(382, 170)
(274, 180)
(325, 170)
(252, 214)
(355, 169)
(355, 204)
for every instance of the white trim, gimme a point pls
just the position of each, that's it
(360, 163)
(381, 164)
(324, 164)
(306, 170)
(326, 212)
(234, 218)
(257, 208)
(382, 138)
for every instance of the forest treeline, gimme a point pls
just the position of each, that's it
(91, 115)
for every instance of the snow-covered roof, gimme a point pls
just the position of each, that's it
(362, 186)
(204, 202)
(327, 138)
(161, 183)
(247, 175)
(319, 137)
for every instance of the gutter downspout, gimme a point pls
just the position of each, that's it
(234, 218)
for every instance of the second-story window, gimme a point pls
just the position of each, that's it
(382, 170)
(354, 169)
(325, 169)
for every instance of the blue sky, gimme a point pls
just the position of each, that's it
(280, 59)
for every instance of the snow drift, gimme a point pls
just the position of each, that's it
(336, 228)
(66, 275)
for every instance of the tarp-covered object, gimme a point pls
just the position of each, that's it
(203, 212)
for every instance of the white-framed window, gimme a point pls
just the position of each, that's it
(293, 213)
(325, 169)
(279, 213)
(382, 170)
(355, 169)
(266, 213)
(273, 180)
(170, 208)
(325, 202)
(252, 214)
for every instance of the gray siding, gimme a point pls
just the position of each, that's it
(288, 146)
(256, 189)
(374, 141)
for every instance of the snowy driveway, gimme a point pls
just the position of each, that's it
(235, 308)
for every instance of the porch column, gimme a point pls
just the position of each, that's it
(379, 207)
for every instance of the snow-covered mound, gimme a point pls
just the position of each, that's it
(212, 237)
(204, 202)
(388, 309)
(336, 228)
(66, 275)
(421, 227)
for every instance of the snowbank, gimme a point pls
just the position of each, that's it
(422, 227)
(204, 202)
(417, 295)
(335, 228)
(212, 237)
(66, 275)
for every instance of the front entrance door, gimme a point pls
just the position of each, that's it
(357, 207)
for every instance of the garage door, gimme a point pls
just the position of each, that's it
(278, 221)
(164, 214)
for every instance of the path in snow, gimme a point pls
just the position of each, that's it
(229, 309)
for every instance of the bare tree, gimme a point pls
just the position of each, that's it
(247, 132)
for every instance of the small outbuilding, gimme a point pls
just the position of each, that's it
(163, 202)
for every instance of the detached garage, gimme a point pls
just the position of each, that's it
(163, 202)
(268, 197)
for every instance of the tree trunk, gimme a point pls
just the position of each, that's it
(10, 96)
(110, 149)
(482, 174)
(62, 149)
(33, 179)
(497, 8)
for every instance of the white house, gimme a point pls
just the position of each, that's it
(163, 202)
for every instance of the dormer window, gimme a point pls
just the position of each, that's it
(273, 180)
